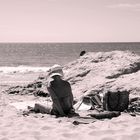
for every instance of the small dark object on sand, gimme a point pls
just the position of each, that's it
(77, 122)
(82, 120)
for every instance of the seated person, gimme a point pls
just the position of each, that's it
(61, 94)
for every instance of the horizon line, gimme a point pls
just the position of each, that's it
(14, 42)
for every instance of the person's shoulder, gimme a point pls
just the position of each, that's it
(50, 82)
(65, 82)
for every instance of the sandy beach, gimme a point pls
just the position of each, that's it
(16, 126)
(78, 61)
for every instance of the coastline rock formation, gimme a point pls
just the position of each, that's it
(98, 72)
(104, 71)
(36, 88)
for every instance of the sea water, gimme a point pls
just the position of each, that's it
(37, 57)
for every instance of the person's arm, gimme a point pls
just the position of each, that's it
(71, 98)
(72, 112)
(70, 94)
(56, 102)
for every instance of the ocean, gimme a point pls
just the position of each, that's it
(40, 56)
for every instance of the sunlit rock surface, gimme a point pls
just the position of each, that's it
(104, 71)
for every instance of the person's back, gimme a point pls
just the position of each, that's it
(63, 94)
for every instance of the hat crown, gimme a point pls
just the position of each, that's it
(56, 68)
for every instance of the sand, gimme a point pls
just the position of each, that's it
(98, 72)
(15, 126)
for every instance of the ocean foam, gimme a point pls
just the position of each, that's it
(23, 69)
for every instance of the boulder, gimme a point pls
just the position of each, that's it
(104, 71)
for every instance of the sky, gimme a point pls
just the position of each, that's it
(69, 20)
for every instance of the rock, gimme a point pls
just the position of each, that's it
(35, 88)
(15, 90)
(104, 71)
(95, 72)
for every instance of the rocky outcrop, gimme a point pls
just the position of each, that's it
(36, 88)
(96, 72)
(104, 71)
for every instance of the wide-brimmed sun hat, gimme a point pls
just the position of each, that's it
(56, 70)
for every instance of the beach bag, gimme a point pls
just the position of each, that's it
(116, 101)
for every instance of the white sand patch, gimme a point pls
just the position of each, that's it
(24, 105)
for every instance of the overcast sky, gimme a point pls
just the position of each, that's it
(69, 20)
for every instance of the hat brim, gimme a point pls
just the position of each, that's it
(55, 74)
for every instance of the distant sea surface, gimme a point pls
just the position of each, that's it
(47, 54)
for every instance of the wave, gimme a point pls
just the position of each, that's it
(22, 69)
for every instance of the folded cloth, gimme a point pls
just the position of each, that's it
(105, 114)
